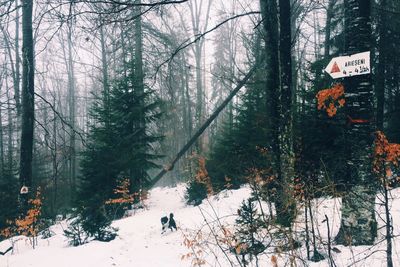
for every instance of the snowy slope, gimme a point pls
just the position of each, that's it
(141, 244)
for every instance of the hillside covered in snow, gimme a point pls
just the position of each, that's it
(140, 243)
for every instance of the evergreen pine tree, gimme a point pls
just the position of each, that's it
(8, 200)
(118, 146)
(99, 173)
(249, 223)
(133, 139)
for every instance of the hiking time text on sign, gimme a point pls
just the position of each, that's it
(346, 66)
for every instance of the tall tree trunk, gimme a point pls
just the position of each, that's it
(72, 107)
(380, 73)
(286, 206)
(1, 140)
(140, 174)
(329, 16)
(358, 223)
(269, 11)
(10, 135)
(54, 157)
(199, 93)
(28, 108)
(195, 12)
(17, 62)
(293, 35)
(104, 68)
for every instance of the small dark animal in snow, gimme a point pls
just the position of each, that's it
(171, 222)
(164, 223)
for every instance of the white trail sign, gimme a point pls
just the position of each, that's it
(352, 65)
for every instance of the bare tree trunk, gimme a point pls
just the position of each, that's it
(28, 108)
(124, 51)
(1, 138)
(10, 135)
(329, 16)
(139, 174)
(72, 107)
(54, 156)
(17, 62)
(104, 63)
(279, 97)
(286, 206)
(388, 223)
(195, 12)
(358, 223)
(380, 73)
(269, 12)
(188, 102)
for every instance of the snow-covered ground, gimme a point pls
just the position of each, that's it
(140, 243)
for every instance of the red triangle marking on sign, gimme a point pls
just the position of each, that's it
(335, 68)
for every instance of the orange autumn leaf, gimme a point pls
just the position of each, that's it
(28, 225)
(122, 195)
(328, 98)
(386, 156)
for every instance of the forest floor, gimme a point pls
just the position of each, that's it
(140, 243)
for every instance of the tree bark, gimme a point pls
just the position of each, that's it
(1, 140)
(72, 107)
(285, 201)
(104, 70)
(269, 11)
(17, 63)
(138, 175)
(28, 108)
(10, 136)
(329, 16)
(380, 73)
(195, 12)
(358, 223)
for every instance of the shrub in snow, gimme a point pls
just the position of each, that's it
(249, 224)
(195, 193)
(46, 232)
(201, 186)
(95, 222)
(75, 234)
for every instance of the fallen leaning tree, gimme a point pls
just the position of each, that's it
(205, 125)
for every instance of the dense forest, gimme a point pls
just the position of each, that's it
(102, 101)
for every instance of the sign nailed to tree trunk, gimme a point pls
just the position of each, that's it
(346, 66)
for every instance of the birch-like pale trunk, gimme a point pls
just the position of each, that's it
(72, 108)
(17, 63)
(196, 10)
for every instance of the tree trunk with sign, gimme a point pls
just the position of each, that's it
(358, 223)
